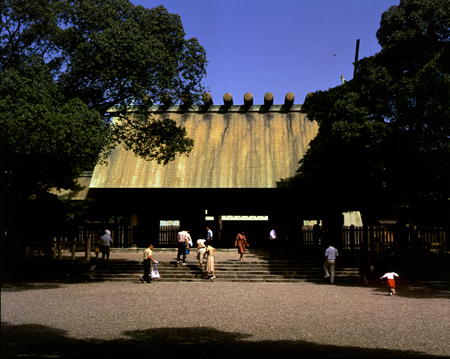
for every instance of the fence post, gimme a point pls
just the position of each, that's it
(88, 248)
(73, 250)
(317, 235)
(54, 248)
(446, 232)
(415, 244)
(363, 245)
(352, 237)
(301, 243)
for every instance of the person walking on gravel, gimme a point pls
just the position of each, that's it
(390, 276)
(105, 242)
(331, 256)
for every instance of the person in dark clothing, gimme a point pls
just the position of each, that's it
(148, 261)
(363, 263)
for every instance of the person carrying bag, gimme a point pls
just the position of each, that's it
(154, 274)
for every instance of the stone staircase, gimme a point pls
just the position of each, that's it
(282, 271)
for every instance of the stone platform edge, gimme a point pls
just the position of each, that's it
(156, 250)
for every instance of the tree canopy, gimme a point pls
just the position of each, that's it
(46, 140)
(383, 145)
(67, 67)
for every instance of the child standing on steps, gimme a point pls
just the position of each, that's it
(390, 276)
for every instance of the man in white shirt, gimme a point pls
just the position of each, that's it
(273, 243)
(105, 242)
(183, 244)
(331, 256)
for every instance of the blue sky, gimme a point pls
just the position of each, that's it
(278, 46)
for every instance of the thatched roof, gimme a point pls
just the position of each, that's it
(83, 183)
(234, 148)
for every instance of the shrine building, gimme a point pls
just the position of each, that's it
(227, 182)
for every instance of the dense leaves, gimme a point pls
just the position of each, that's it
(383, 144)
(157, 140)
(77, 78)
(117, 53)
(64, 65)
(45, 140)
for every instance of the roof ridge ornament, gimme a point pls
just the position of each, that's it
(268, 100)
(227, 100)
(207, 99)
(289, 100)
(248, 99)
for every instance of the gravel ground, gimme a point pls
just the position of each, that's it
(222, 320)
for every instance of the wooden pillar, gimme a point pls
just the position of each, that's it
(55, 248)
(88, 248)
(352, 237)
(364, 240)
(219, 237)
(116, 233)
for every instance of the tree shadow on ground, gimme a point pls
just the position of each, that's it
(34, 340)
(39, 269)
(35, 273)
(20, 287)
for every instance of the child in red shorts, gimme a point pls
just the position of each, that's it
(390, 276)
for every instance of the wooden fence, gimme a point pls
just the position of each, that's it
(168, 236)
(381, 237)
(352, 238)
(122, 235)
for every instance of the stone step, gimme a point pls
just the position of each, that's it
(227, 271)
(339, 279)
(232, 265)
(218, 267)
(242, 270)
(222, 275)
(228, 263)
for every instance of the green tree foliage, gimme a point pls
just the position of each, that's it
(78, 77)
(383, 145)
(46, 140)
(65, 64)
